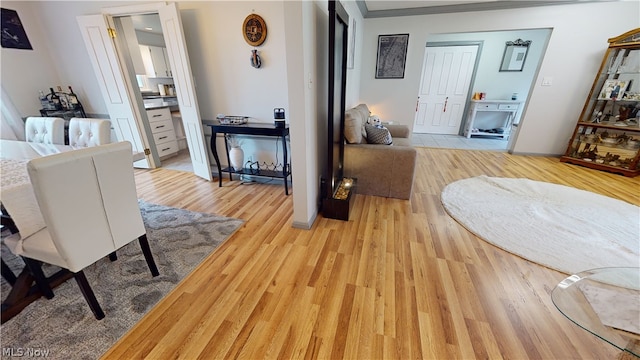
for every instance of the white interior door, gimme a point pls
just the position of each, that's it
(115, 91)
(185, 89)
(444, 88)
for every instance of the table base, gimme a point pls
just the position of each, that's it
(24, 292)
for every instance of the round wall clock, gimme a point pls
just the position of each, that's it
(254, 30)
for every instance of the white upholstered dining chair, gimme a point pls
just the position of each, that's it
(86, 132)
(46, 130)
(89, 204)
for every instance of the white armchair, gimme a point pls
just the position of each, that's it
(47, 130)
(89, 204)
(86, 132)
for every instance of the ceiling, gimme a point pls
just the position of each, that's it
(377, 5)
(387, 8)
(148, 22)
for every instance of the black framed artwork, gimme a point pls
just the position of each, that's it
(13, 34)
(392, 56)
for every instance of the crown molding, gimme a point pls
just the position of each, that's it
(473, 7)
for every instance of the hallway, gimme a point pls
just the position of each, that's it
(459, 142)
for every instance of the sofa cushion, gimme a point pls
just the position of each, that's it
(378, 135)
(381, 170)
(353, 123)
(364, 110)
(402, 142)
(399, 131)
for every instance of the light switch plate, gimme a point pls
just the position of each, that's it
(547, 81)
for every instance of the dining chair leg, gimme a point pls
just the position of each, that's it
(146, 251)
(113, 256)
(35, 267)
(88, 294)
(6, 220)
(7, 274)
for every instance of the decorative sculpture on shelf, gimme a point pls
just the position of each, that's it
(623, 113)
(236, 154)
(597, 118)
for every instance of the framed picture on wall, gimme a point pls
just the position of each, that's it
(13, 35)
(392, 56)
(515, 53)
(351, 54)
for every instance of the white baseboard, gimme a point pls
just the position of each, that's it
(307, 225)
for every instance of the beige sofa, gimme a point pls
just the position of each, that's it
(381, 170)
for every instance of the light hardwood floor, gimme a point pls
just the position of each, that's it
(400, 280)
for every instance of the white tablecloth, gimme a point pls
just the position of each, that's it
(16, 192)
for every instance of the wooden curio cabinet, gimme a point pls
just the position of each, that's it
(607, 135)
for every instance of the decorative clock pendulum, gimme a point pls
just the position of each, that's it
(256, 62)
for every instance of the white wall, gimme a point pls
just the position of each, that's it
(496, 84)
(303, 85)
(572, 58)
(25, 72)
(353, 75)
(225, 81)
(500, 85)
(220, 58)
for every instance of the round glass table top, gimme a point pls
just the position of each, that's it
(605, 302)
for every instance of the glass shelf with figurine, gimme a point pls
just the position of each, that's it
(606, 146)
(607, 135)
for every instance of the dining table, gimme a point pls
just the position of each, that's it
(20, 208)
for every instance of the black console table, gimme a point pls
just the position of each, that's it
(254, 129)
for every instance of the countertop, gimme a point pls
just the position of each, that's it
(158, 105)
(160, 102)
(153, 95)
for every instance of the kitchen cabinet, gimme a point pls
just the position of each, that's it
(156, 61)
(164, 135)
(160, 61)
(607, 135)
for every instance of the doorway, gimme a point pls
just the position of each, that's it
(148, 51)
(112, 62)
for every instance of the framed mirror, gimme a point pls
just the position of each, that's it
(515, 53)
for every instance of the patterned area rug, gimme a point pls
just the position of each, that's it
(65, 328)
(560, 227)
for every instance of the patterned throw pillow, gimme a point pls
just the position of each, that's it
(378, 135)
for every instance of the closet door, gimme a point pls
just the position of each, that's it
(444, 88)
